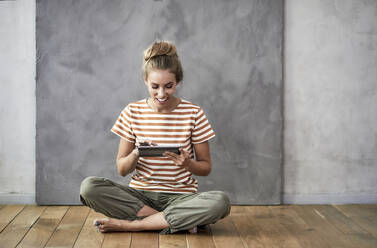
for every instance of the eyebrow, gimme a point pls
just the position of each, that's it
(163, 84)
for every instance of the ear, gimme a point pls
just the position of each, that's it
(145, 81)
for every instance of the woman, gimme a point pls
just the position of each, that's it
(162, 194)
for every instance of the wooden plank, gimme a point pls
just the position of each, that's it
(117, 240)
(69, 228)
(144, 239)
(273, 232)
(367, 210)
(201, 239)
(305, 235)
(237, 209)
(357, 235)
(8, 213)
(250, 234)
(319, 223)
(358, 210)
(89, 235)
(259, 228)
(176, 240)
(338, 219)
(225, 235)
(42, 230)
(17, 229)
(363, 215)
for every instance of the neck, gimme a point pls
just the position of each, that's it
(173, 103)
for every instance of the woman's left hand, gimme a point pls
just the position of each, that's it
(182, 159)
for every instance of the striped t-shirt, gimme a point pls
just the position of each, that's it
(185, 126)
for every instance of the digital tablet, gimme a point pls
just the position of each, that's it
(157, 151)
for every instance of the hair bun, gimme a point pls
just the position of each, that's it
(160, 48)
(162, 55)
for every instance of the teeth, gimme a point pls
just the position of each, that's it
(161, 100)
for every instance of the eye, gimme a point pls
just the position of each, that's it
(169, 85)
(154, 86)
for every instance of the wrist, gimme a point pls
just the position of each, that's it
(188, 164)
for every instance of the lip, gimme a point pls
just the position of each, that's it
(161, 102)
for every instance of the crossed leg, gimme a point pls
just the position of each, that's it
(154, 221)
(121, 202)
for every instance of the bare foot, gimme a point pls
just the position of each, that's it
(152, 222)
(193, 230)
(111, 225)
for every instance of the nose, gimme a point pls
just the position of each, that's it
(161, 92)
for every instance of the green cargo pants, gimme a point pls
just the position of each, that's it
(181, 211)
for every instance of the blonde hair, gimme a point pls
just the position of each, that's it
(162, 55)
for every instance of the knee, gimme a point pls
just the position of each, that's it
(87, 187)
(220, 203)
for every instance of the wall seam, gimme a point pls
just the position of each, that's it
(282, 183)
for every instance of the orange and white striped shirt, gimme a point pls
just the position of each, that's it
(185, 126)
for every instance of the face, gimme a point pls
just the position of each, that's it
(161, 86)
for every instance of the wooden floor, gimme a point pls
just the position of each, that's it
(247, 226)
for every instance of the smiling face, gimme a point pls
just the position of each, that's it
(161, 86)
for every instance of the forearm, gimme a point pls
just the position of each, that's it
(199, 168)
(127, 164)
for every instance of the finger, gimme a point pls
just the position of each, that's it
(185, 153)
(166, 154)
(147, 143)
(176, 161)
(137, 144)
(98, 222)
(150, 143)
(171, 154)
(182, 150)
(142, 142)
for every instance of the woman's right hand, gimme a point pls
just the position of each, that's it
(142, 143)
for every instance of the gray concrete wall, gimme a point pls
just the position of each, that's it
(330, 101)
(17, 101)
(89, 60)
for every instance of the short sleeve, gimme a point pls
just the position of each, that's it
(202, 129)
(123, 127)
